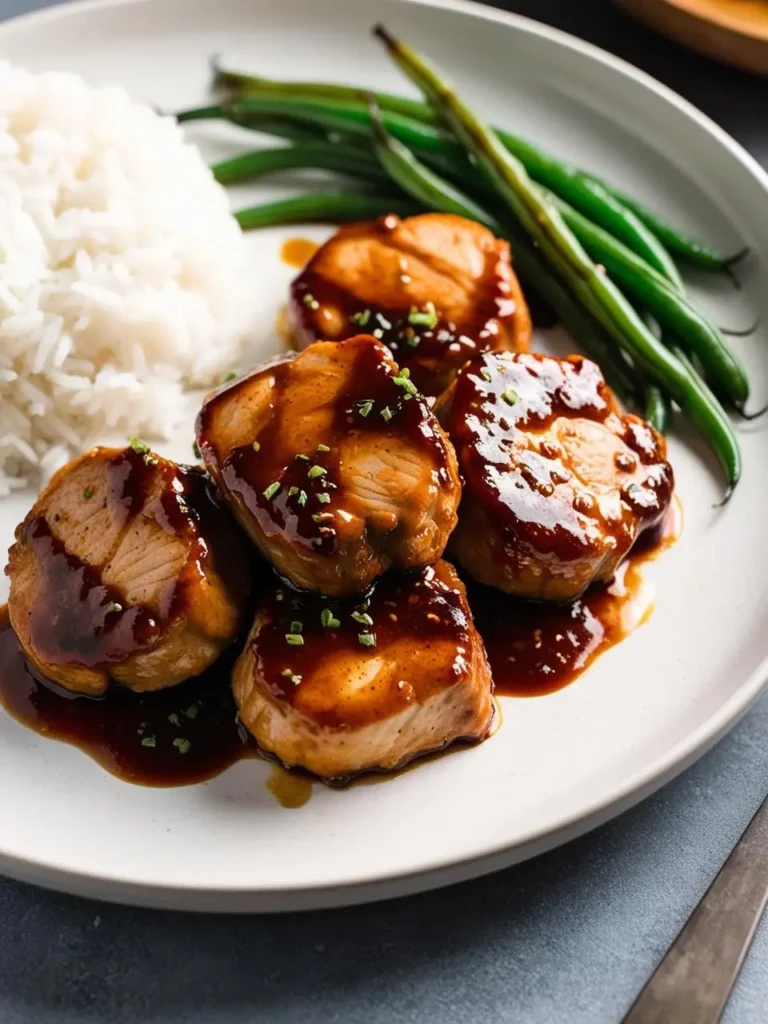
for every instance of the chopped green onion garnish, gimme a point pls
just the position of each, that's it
(509, 396)
(426, 319)
(230, 376)
(300, 455)
(324, 499)
(256, 446)
(295, 679)
(292, 491)
(367, 639)
(294, 639)
(297, 626)
(174, 719)
(181, 744)
(363, 617)
(148, 741)
(386, 414)
(485, 373)
(113, 606)
(323, 448)
(328, 619)
(302, 498)
(272, 490)
(364, 408)
(190, 712)
(142, 448)
(196, 450)
(403, 382)
(311, 301)
(361, 319)
(88, 493)
(315, 472)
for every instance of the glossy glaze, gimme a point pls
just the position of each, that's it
(558, 484)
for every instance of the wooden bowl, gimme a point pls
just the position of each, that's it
(732, 31)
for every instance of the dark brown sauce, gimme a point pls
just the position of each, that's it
(535, 648)
(173, 737)
(322, 309)
(132, 735)
(297, 252)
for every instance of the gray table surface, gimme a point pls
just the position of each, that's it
(570, 937)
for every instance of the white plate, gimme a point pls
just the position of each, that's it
(560, 764)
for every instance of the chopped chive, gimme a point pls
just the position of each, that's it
(324, 499)
(230, 376)
(316, 471)
(256, 446)
(196, 450)
(181, 744)
(403, 382)
(142, 448)
(174, 719)
(386, 414)
(302, 456)
(485, 373)
(323, 448)
(190, 712)
(297, 626)
(362, 617)
(294, 639)
(361, 319)
(148, 741)
(88, 493)
(427, 318)
(509, 396)
(292, 491)
(328, 619)
(364, 408)
(367, 639)
(302, 498)
(272, 490)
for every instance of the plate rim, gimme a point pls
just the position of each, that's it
(378, 886)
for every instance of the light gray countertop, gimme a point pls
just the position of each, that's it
(570, 937)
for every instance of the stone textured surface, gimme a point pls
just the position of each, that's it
(569, 937)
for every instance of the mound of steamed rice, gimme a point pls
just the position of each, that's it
(122, 275)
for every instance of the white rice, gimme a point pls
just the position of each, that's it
(122, 275)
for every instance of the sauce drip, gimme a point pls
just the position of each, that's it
(297, 252)
(535, 648)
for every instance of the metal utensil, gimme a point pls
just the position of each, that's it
(692, 983)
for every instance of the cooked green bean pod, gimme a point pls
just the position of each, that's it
(327, 156)
(324, 207)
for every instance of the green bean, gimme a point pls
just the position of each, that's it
(722, 369)
(690, 249)
(656, 408)
(327, 156)
(544, 224)
(283, 128)
(729, 453)
(324, 207)
(435, 193)
(637, 227)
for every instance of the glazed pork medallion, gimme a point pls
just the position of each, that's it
(368, 683)
(334, 465)
(435, 288)
(558, 483)
(126, 569)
